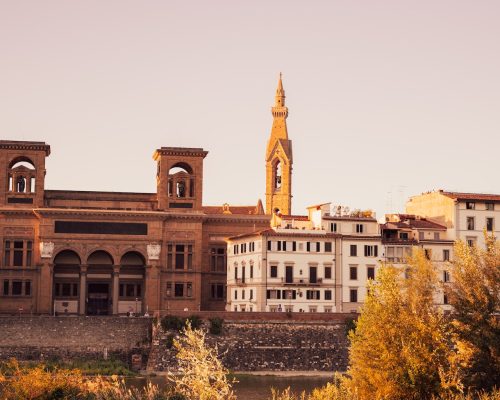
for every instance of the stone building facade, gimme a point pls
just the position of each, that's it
(100, 253)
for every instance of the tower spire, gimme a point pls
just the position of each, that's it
(279, 158)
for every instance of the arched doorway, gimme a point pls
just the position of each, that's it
(66, 283)
(99, 283)
(131, 289)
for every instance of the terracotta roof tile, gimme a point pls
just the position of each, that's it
(471, 196)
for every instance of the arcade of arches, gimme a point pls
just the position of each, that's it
(98, 286)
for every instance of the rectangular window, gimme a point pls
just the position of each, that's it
(274, 271)
(470, 205)
(370, 273)
(353, 273)
(328, 247)
(328, 294)
(308, 246)
(353, 250)
(313, 295)
(17, 288)
(471, 241)
(5, 288)
(235, 272)
(294, 246)
(359, 228)
(403, 235)
(328, 272)
(421, 235)
(218, 258)
(279, 245)
(490, 206)
(251, 271)
(179, 290)
(428, 253)
(168, 289)
(489, 224)
(243, 294)
(446, 276)
(436, 235)
(318, 247)
(217, 291)
(288, 274)
(371, 251)
(27, 288)
(313, 274)
(180, 256)
(236, 294)
(333, 227)
(189, 289)
(269, 245)
(445, 299)
(470, 223)
(18, 253)
(353, 295)
(243, 274)
(446, 255)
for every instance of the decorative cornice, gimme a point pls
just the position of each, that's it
(180, 151)
(22, 145)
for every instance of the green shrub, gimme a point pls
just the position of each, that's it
(194, 320)
(172, 323)
(216, 325)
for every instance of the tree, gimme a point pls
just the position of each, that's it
(202, 375)
(402, 347)
(475, 296)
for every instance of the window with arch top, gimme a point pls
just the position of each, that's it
(21, 176)
(181, 183)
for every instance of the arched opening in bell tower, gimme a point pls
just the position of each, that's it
(277, 173)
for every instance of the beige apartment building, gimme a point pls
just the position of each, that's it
(466, 216)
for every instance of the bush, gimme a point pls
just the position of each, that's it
(194, 320)
(216, 325)
(172, 323)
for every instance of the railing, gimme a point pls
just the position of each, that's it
(302, 281)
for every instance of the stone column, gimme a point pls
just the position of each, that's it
(46, 281)
(83, 290)
(151, 301)
(116, 287)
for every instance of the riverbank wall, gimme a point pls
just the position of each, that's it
(247, 342)
(46, 338)
(268, 342)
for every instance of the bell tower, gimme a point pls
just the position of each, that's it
(279, 159)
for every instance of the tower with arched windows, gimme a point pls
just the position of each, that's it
(179, 177)
(279, 159)
(22, 167)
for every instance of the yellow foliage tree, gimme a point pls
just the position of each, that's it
(402, 347)
(475, 296)
(202, 374)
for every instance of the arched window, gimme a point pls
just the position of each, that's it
(277, 175)
(21, 175)
(181, 181)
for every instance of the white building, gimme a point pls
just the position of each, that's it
(282, 269)
(315, 263)
(466, 215)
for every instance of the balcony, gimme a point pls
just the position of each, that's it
(240, 281)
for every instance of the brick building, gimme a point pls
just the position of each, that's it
(101, 253)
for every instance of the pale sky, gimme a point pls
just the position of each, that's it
(386, 99)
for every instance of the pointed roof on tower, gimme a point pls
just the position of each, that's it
(279, 131)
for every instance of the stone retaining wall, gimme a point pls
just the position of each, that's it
(268, 346)
(64, 338)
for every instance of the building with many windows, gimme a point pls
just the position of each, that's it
(319, 262)
(99, 253)
(467, 216)
(403, 232)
